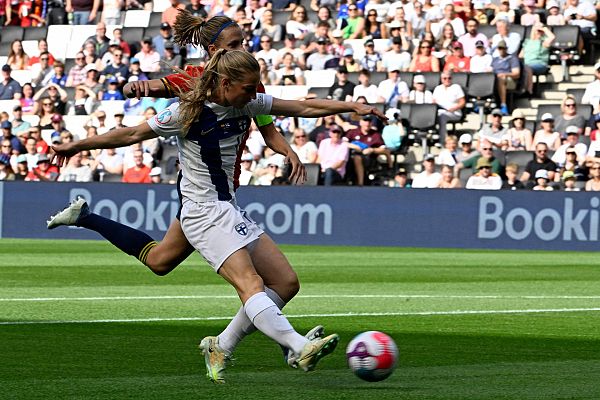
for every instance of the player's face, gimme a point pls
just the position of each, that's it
(240, 93)
(230, 39)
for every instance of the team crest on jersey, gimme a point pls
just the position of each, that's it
(243, 125)
(164, 117)
(242, 229)
(260, 100)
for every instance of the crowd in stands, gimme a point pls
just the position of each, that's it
(381, 52)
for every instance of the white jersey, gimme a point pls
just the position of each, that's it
(209, 152)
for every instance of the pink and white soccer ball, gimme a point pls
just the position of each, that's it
(372, 356)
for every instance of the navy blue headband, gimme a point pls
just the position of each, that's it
(225, 25)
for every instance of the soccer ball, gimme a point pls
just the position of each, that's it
(372, 356)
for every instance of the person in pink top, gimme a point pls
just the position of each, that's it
(333, 156)
(469, 39)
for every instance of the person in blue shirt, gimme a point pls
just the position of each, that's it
(8, 86)
(113, 92)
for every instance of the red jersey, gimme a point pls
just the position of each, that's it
(175, 83)
(134, 175)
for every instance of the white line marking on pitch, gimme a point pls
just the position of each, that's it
(316, 296)
(338, 315)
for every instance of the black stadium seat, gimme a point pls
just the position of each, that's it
(35, 33)
(4, 48)
(462, 79)
(553, 109)
(407, 77)
(10, 33)
(519, 157)
(152, 31)
(319, 92)
(155, 19)
(520, 29)
(133, 35)
(577, 93)
(432, 79)
(487, 30)
(423, 120)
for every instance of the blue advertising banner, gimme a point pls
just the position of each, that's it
(333, 216)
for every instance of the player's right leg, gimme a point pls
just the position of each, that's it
(161, 257)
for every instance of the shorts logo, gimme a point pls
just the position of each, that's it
(242, 229)
(164, 117)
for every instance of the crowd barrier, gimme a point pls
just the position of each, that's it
(333, 216)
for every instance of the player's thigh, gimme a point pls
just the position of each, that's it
(272, 265)
(172, 250)
(239, 271)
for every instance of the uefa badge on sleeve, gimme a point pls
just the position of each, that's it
(241, 228)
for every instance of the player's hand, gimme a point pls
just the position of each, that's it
(297, 170)
(61, 154)
(365, 109)
(137, 89)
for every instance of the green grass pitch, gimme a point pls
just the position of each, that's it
(80, 320)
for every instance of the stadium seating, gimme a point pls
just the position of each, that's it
(519, 157)
(577, 93)
(11, 33)
(35, 33)
(313, 170)
(319, 92)
(136, 19)
(422, 120)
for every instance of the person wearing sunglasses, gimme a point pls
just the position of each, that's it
(484, 179)
(569, 117)
(540, 161)
(77, 73)
(356, 23)
(485, 150)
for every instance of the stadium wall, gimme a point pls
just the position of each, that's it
(333, 216)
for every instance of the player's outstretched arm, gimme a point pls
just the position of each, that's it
(320, 108)
(115, 138)
(277, 142)
(151, 88)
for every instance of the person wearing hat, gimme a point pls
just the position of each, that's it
(316, 61)
(392, 91)
(21, 168)
(457, 61)
(113, 92)
(77, 73)
(337, 47)
(332, 155)
(135, 71)
(91, 78)
(541, 181)
(569, 182)
(400, 179)
(494, 131)
(471, 37)
(540, 161)
(517, 137)
(420, 94)
(485, 150)
(592, 90)
(547, 134)
(9, 88)
(16, 144)
(309, 44)
(536, 52)
(570, 143)
(165, 35)
(484, 179)
(481, 61)
(554, 17)
(148, 57)
(572, 164)
(508, 70)
(396, 57)
(18, 124)
(428, 178)
(168, 60)
(43, 170)
(349, 62)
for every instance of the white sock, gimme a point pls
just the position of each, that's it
(241, 326)
(267, 317)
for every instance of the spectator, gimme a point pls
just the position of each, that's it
(494, 131)
(6, 172)
(457, 61)
(503, 13)
(336, 48)
(267, 75)
(138, 5)
(420, 94)
(486, 151)
(592, 90)
(309, 43)
(593, 184)
(594, 127)
(572, 165)
(569, 116)
(518, 137)
(366, 144)
(196, 8)
(569, 182)
(450, 99)
(246, 169)
(21, 170)
(15, 143)
(100, 40)
(349, 62)
(267, 27)
(374, 28)
(446, 39)
(75, 171)
(148, 57)
(511, 182)
(507, 70)
(393, 91)
(5, 13)
(41, 70)
(77, 73)
(424, 61)
(342, 89)
(139, 173)
(397, 29)
(299, 25)
(267, 52)
(43, 171)
(449, 17)
(316, 61)
(371, 61)
(84, 11)
(512, 39)
(554, 17)
(165, 36)
(428, 178)
(469, 39)
(332, 155)
(56, 95)
(58, 76)
(17, 58)
(111, 11)
(393, 132)
(288, 73)
(400, 179)
(479, 13)
(155, 175)
(448, 180)
(9, 88)
(6, 150)
(572, 142)
(582, 14)
(481, 61)
(303, 147)
(170, 13)
(18, 125)
(118, 36)
(547, 134)
(84, 102)
(289, 46)
(466, 150)
(536, 53)
(109, 161)
(530, 17)
(91, 57)
(135, 71)
(42, 48)
(484, 179)
(272, 171)
(540, 161)
(365, 88)
(113, 92)
(541, 181)
(449, 154)
(91, 79)
(355, 29)
(116, 69)
(396, 57)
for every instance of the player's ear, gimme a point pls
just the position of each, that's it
(212, 49)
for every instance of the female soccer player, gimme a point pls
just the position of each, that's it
(209, 122)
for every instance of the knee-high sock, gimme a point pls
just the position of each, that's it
(267, 317)
(241, 326)
(128, 240)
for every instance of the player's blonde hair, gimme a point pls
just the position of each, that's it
(189, 29)
(234, 65)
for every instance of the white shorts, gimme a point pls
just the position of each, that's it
(217, 229)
